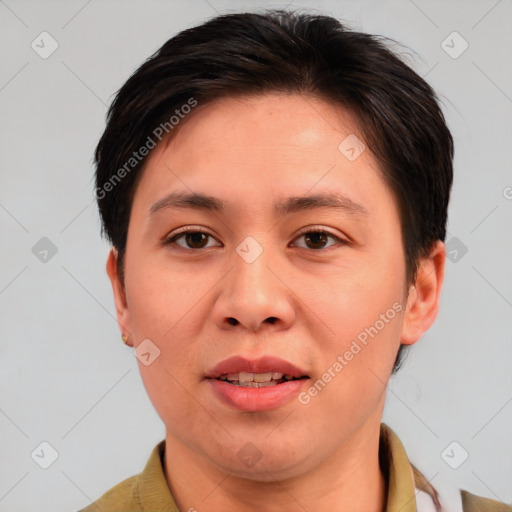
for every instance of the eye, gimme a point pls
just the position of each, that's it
(317, 237)
(195, 238)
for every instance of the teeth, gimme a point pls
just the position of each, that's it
(245, 377)
(262, 377)
(256, 384)
(249, 377)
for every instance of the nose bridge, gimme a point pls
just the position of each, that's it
(252, 277)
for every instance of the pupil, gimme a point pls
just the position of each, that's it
(314, 236)
(193, 236)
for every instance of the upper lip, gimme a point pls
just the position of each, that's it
(237, 364)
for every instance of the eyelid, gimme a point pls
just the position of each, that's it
(317, 228)
(186, 229)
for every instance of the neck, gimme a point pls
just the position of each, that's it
(350, 480)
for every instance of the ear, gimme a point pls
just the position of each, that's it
(122, 312)
(423, 300)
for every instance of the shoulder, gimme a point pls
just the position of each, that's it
(474, 503)
(123, 497)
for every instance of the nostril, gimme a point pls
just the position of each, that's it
(270, 319)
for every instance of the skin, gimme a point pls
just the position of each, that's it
(317, 456)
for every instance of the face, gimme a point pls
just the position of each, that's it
(313, 290)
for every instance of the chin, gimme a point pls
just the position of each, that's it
(267, 463)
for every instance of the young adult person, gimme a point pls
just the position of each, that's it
(275, 190)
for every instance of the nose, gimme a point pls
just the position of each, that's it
(255, 294)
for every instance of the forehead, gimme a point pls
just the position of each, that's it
(272, 120)
(256, 147)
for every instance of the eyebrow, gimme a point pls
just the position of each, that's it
(198, 201)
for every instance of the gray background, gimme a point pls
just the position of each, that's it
(66, 377)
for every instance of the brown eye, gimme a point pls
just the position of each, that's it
(194, 238)
(316, 239)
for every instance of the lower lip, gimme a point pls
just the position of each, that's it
(257, 399)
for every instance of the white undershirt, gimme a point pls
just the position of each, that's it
(449, 498)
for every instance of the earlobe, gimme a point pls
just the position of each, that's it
(118, 289)
(424, 295)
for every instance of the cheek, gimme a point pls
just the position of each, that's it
(162, 307)
(367, 293)
(365, 314)
(159, 298)
(168, 392)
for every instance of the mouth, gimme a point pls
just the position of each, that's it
(265, 371)
(257, 380)
(256, 385)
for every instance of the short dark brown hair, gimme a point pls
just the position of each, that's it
(285, 51)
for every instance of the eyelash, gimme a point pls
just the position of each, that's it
(191, 229)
